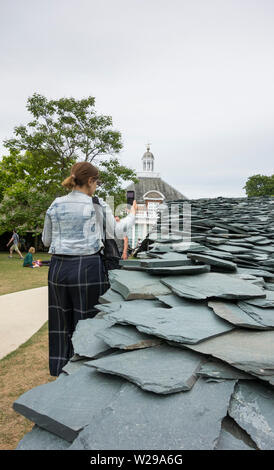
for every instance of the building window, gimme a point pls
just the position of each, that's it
(153, 205)
(152, 208)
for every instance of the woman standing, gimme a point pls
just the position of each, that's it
(77, 276)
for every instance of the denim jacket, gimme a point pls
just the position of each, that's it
(74, 225)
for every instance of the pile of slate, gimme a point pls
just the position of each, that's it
(239, 230)
(181, 353)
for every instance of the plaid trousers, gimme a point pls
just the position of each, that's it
(74, 286)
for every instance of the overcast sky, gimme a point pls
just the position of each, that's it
(195, 78)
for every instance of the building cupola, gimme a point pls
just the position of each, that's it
(148, 160)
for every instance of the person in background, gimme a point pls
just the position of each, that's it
(28, 260)
(122, 243)
(22, 244)
(74, 234)
(14, 246)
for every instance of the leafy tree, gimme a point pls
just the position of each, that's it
(41, 154)
(67, 129)
(260, 185)
(28, 185)
(32, 184)
(35, 170)
(112, 175)
(23, 207)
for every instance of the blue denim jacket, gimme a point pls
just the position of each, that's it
(74, 225)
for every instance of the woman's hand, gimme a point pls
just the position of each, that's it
(134, 208)
(124, 256)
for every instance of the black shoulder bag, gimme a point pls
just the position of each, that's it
(111, 255)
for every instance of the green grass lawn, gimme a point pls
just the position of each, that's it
(13, 277)
(20, 371)
(27, 366)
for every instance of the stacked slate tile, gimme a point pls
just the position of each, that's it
(181, 353)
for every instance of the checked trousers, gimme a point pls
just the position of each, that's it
(75, 284)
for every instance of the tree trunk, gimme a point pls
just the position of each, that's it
(36, 241)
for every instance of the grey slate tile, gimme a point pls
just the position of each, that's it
(255, 239)
(267, 262)
(127, 337)
(76, 358)
(266, 249)
(234, 314)
(176, 270)
(110, 307)
(216, 369)
(209, 285)
(136, 263)
(145, 255)
(256, 281)
(84, 341)
(179, 324)
(267, 378)
(261, 315)
(255, 272)
(267, 241)
(232, 437)
(180, 247)
(219, 230)
(141, 420)
(222, 255)
(136, 285)
(175, 260)
(65, 406)
(252, 407)
(232, 249)
(245, 276)
(74, 366)
(159, 369)
(267, 302)
(173, 300)
(169, 257)
(247, 350)
(240, 243)
(215, 240)
(138, 305)
(225, 265)
(110, 296)
(39, 439)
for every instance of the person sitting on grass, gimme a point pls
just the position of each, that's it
(28, 260)
(29, 263)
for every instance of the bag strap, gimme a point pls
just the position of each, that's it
(95, 200)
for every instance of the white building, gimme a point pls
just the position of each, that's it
(149, 192)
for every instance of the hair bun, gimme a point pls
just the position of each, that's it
(79, 175)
